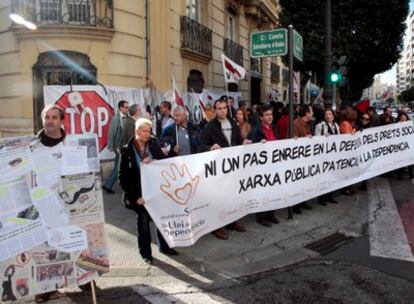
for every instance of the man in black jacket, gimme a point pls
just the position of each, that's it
(266, 131)
(222, 132)
(141, 149)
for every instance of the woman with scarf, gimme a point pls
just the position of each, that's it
(140, 150)
(327, 127)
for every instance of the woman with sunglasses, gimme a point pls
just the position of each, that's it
(364, 122)
(403, 117)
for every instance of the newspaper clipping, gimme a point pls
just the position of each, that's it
(52, 230)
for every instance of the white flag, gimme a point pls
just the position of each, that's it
(232, 71)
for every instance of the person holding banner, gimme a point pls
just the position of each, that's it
(241, 119)
(402, 117)
(327, 127)
(182, 135)
(347, 121)
(302, 128)
(141, 150)
(222, 132)
(266, 131)
(114, 143)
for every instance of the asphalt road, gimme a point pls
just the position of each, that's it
(348, 274)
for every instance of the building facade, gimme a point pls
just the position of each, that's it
(124, 43)
(405, 66)
(400, 74)
(375, 90)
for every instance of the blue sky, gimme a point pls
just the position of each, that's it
(390, 75)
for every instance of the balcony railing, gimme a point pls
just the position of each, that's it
(195, 39)
(233, 50)
(66, 12)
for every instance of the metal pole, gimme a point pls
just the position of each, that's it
(94, 301)
(328, 49)
(290, 50)
(334, 96)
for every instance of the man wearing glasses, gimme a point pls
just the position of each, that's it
(115, 143)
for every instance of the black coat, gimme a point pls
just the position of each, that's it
(129, 173)
(257, 134)
(212, 134)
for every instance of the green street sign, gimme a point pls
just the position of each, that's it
(269, 43)
(297, 45)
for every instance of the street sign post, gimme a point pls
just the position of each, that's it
(297, 45)
(275, 43)
(269, 43)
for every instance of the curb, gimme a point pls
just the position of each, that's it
(279, 254)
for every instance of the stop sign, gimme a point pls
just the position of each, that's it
(94, 117)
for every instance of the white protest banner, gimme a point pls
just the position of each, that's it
(96, 107)
(190, 196)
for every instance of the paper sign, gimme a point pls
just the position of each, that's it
(74, 160)
(68, 238)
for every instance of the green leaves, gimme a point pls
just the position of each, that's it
(370, 32)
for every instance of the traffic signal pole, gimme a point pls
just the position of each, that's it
(290, 55)
(328, 49)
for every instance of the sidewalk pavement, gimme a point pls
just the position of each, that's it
(212, 262)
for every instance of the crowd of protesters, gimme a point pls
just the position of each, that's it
(223, 126)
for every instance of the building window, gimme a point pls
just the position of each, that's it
(73, 11)
(231, 27)
(193, 9)
(256, 65)
(285, 73)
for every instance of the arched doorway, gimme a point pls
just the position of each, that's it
(59, 68)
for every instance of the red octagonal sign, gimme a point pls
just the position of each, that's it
(93, 117)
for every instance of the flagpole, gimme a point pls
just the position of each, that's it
(228, 97)
(173, 92)
(236, 71)
(176, 126)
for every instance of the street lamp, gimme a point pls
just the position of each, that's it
(16, 18)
